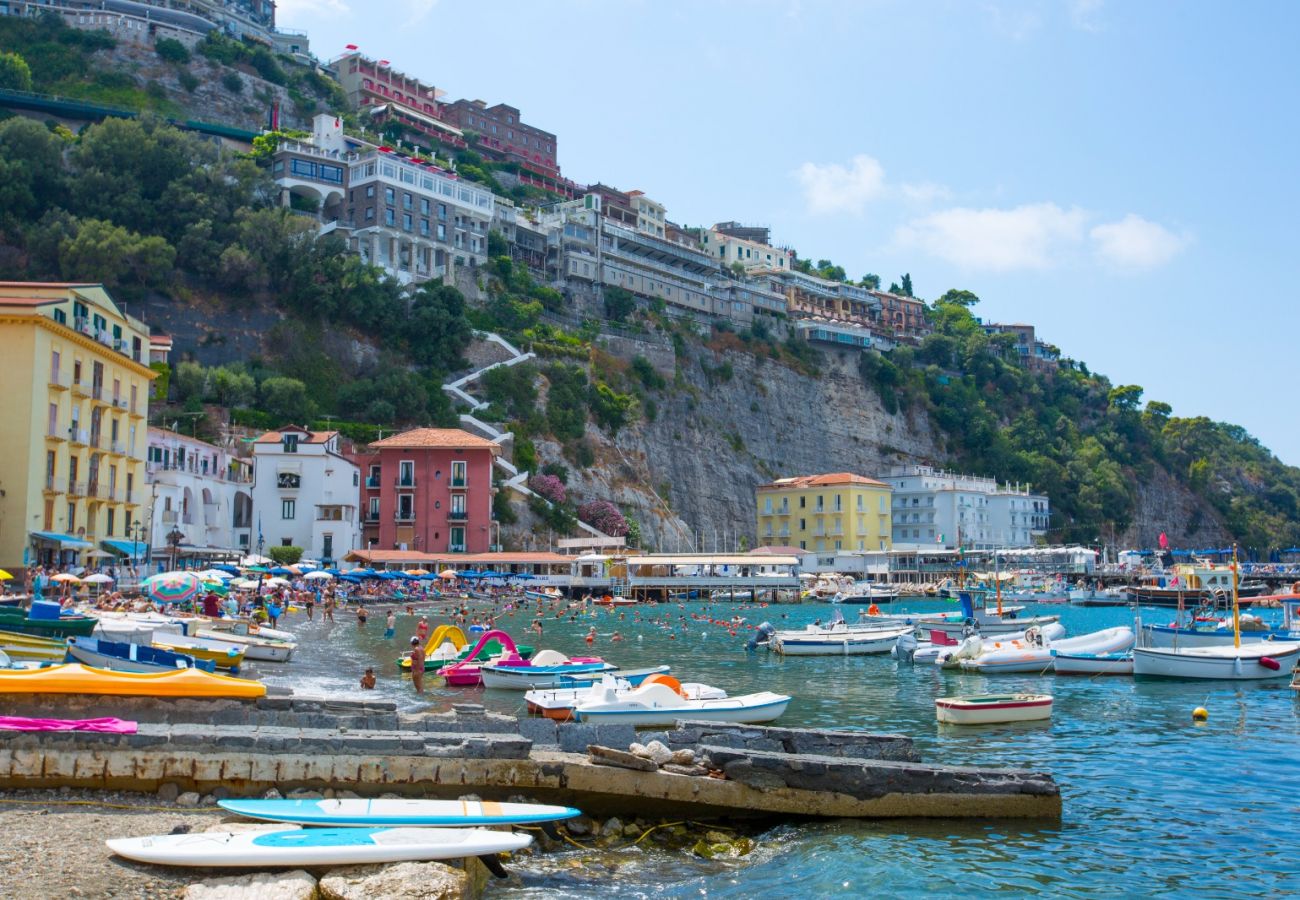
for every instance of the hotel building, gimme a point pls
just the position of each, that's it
(75, 408)
(837, 511)
(943, 510)
(305, 494)
(200, 492)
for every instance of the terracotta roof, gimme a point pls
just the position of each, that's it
(436, 438)
(312, 437)
(832, 478)
(30, 301)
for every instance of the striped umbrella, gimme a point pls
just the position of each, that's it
(172, 587)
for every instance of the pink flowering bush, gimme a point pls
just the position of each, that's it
(603, 515)
(548, 486)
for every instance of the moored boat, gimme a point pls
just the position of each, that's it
(123, 657)
(252, 646)
(558, 703)
(17, 620)
(1250, 662)
(32, 646)
(1037, 655)
(543, 670)
(993, 709)
(659, 704)
(838, 641)
(222, 654)
(1078, 663)
(75, 678)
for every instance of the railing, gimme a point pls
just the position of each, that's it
(402, 482)
(58, 381)
(95, 437)
(169, 517)
(97, 391)
(135, 410)
(56, 433)
(92, 489)
(49, 483)
(457, 515)
(119, 403)
(111, 494)
(459, 482)
(370, 517)
(456, 548)
(81, 389)
(117, 447)
(404, 517)
(78, 436)
(76, 488)
(373, 482)
(128, 496)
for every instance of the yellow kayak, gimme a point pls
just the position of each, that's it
(224, 654)
(32, 646)
(75, 678)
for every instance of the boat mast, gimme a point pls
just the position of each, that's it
(997, 579)
(1236, 610)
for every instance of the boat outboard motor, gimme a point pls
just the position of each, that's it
(762, 635)
(905, 647)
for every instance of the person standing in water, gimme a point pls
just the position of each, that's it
(417, 665)
(390, 625)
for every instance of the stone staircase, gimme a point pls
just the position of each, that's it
(516, 480)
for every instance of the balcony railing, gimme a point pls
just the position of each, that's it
(456, 548)
(81, 389)
(120, 403)
(169, 517)
(404, 517)
(128, 497)
(93, 489)
(370, 517)
(457, 515)
(78, 436)
(117, 447)
(51, 484)
(404, 482)
(373, 482)
(76, 488)
(95, 439)
(459, 482)
(97, 391)
(58, 381)
(55, 433)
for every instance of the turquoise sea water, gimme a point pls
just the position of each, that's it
(1154, 804)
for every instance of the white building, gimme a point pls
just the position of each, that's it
(937, 509)
(305, 494)
(200, 490)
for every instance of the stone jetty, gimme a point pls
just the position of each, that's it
(288, 742)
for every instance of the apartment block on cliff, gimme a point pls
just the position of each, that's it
(836, 511)
(1029, 351)
(938, 509)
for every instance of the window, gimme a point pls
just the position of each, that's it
(407, 201)
(109, 524)
(406, 473)
(406, 507)
(424, 206)
(458, 505)
(287, 509)
(54, 365)
(390, 196)
(458, 474)
(390, 217)
(803, 502)
(457, 542)
(290, 442)
(374, 508)
(288, 480)
(370, 190)
(406, 221)
(424, 227)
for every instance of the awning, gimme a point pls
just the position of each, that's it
(133, 549)
(65, 541)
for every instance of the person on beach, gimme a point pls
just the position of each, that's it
(390, 625)
(368, 680)
(417, 665)
(328, 607)
(422, 629)
(310, 603)
(362, 616)
(211, 605)
(273, 612)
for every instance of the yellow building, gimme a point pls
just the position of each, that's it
(73, 422)
(839, 511)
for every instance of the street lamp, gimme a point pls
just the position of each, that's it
(136, 530)
(174, 538)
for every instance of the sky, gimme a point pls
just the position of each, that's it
(1123, 176)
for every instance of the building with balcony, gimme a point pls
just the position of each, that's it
(412, 218)
(144, 21)
(836, 511)
(430, 490)
(747, 246)
(811, 297)
(200, 490)
(903, 317)
(934, 509)
(503, 135)
(305, 494)
(75, 407)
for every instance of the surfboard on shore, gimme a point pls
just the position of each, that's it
(316, 846)
(410, 813)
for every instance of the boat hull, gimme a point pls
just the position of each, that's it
(397, 812)
(734, 710)
(992, 625)
(254, 648)
(74, 678)
(993, 709)
(1169, 637)
(523, 678)
(1094, 663)
(1244, 664)
(222, 655)
(119, 657)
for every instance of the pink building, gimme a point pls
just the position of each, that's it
(429, 489)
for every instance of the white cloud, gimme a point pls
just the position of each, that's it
(1031, 236)
(286, 10)
(832, 188)
(924, 192)
(1083, 14)
(418, 10)
(1136, 243)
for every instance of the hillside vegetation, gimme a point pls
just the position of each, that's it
(155, 212)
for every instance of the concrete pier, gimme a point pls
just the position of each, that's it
(241, 748)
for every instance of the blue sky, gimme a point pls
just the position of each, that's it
(1121, 175)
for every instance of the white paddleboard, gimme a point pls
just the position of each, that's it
(374, 813)
(316, 846)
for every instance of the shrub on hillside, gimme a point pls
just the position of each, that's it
(548, 486)
(605, 516)
(172, 51)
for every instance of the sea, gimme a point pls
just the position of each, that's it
(1155, 804)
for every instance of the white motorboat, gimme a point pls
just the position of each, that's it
(1218, 632)
(867, 592)
(1067, 663)
(558, 703)
(1037, 655)
(658, 704)
(1099, 597)
(839, 640)
(1249, 662)
(993, 709)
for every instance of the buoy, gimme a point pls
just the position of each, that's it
(1200, 714)
(1270, 663)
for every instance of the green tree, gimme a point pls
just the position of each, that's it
(957, 297)
(871, 281)
(191, 381)
(172, 51)
(497, 244)
(284, 556)
(1125, 398)
(905, 289)
(619, 302)
(439, 331)
(286, 399)
(233, 387)
(15, 75)
(32, 178)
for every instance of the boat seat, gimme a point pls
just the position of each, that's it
(549, 658)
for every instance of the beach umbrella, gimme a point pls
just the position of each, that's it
(5, 576)
(255, 560)
(318, 576)
(98, 578)
(225, 567)
(257, 570)
(172, 587)
(280, 570)
(220, 575)
(447, 573)
(417, 571)
(276, 582)
(216, 587)
(66, 576)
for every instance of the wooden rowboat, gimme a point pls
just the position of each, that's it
(993, 709)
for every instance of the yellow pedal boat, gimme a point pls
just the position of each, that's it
(75, 678)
